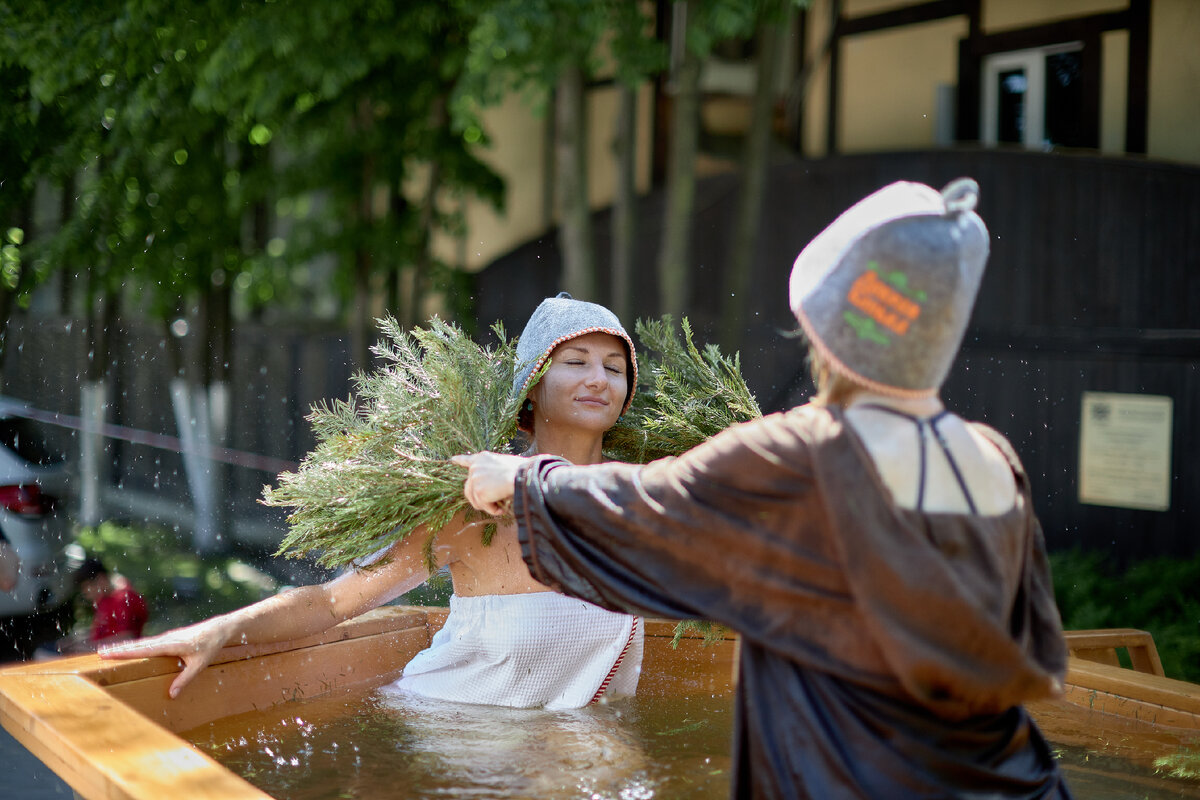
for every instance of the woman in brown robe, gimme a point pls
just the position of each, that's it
(879, 555)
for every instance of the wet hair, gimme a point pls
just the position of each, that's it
(89, 569)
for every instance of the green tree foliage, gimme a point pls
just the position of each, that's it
(357, 96)
(184, 121)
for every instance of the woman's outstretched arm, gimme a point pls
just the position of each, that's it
(292, 614)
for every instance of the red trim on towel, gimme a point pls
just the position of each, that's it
(616, 664)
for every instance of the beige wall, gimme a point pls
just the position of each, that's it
(1175, 81)
(1001, 15)
(518, 153)
(889, 83)
(1114, 82)
(888, 79)
(603, 105)
(862, 8)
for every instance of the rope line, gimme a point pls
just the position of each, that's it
(226, 455)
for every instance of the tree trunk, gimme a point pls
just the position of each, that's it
(66, 210)
(755, 160)
(362, 326)
(423, 267)
(190, 404)
(218, 352)
(95, 461)
(624, 212)
(673, 268)
(575, 219)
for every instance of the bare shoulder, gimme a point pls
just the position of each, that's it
(988, 464)
(463, 536)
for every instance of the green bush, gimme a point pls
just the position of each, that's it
(179, 586)
(1158, 595)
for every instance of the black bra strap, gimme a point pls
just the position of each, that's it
(941, 440)
(921, 423)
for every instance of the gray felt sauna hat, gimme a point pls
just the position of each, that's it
(559, 319)
(884, 293)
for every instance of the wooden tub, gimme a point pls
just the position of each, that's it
(109, 730)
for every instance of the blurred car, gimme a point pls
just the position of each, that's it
(34, 519)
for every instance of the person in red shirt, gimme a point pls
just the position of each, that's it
(121, 612)
(10, 565)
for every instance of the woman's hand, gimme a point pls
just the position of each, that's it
(490, 478)
(195, 646)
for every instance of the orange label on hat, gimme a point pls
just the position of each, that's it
(882, 303)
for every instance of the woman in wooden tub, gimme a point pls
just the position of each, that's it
(509, 639)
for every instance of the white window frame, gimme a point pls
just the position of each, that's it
(1033, 62)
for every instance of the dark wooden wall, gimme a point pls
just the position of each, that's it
(278, 373)
(1093, 285)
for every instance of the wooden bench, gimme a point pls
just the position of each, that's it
(1101, 646)
(1097, 680)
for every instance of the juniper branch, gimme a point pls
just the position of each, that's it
(686, 396)
(380, 469)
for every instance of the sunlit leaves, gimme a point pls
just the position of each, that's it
(260, 135)
(686, 395)
(10, 258)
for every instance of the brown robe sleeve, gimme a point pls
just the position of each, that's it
(868, 632)
(733, 531)
(779, 530)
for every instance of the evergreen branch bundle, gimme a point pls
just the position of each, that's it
(686, 396)
(381, 468)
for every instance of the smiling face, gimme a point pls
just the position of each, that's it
(585, 386)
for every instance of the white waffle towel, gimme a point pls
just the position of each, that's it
(527, 651)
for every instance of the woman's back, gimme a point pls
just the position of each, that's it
(932, 460)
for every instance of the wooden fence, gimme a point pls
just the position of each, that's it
(1093, 285)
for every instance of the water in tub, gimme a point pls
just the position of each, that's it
(376, 746)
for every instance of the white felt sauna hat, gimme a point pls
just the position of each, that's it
(885, 292)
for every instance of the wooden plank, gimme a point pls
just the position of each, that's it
(692, 668)
(269, 680)
(104, 749)
(106, 727)
(1151, 713)
(1101, 647)
(105, 672)
(1115, 690)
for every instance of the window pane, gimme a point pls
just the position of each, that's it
(1064, 100)
(1010, 118)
